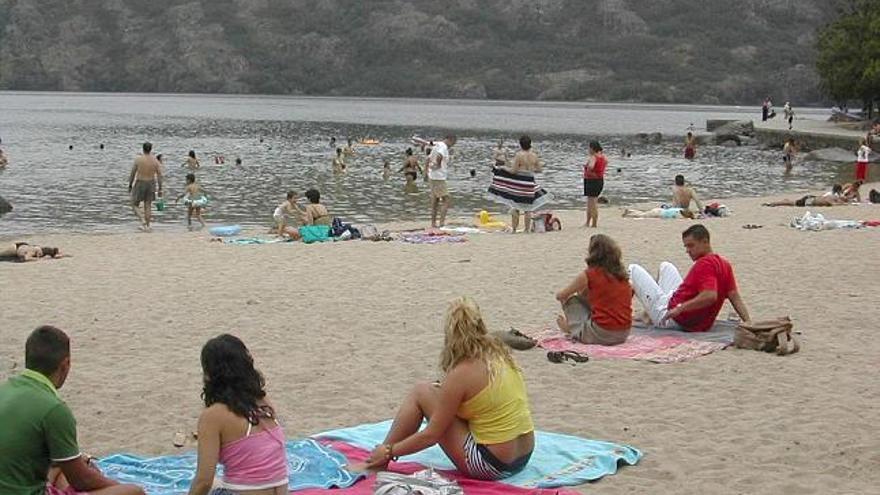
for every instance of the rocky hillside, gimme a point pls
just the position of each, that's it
(700, 51)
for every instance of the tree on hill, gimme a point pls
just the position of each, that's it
(848, 59)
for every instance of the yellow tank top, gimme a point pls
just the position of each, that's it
(500, 412)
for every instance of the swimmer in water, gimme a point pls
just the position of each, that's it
(386, 170)
(500, 155)
(195, 198)
(348, 151)
(411, 169)
(3, 160)
(338, 162)
(191, 161)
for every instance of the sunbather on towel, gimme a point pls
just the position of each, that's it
(39, 430)
(659, 213)
(238, 428)
(22, 251)
(691, 304)
(834, 198)
(313, 214)
(479, 414)
(597, 304)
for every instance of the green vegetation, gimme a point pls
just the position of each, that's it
(709, 51)
(849, 54)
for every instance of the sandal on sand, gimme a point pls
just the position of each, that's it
(751, 226)
(179, 439)
(562, 356)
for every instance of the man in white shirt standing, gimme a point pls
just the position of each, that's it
(438, 167)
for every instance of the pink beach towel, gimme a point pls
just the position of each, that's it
(470, 487)
(662, 349)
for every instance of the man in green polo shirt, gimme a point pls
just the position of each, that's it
(37, 428)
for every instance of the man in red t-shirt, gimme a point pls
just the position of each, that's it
(691, 304)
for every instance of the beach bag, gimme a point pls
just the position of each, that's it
(425, 482)
(767, 335)
(874, 196)
(338, 228)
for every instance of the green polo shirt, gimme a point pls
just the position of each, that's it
(36, 429)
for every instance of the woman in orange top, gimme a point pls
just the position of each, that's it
(598, 302)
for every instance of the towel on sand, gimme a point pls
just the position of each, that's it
(558, 460)
(643, 344)
(250, 241)
(311, 465)
(470, 487)
(432, 238)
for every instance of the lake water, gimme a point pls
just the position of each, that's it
(283, 143)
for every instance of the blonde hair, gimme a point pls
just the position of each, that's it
(467, 338)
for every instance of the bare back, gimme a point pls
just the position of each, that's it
(526, 161)
(147, 168)
(682, 196)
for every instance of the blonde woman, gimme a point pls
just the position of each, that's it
(478, 414)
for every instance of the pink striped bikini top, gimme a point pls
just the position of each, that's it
(255, 462)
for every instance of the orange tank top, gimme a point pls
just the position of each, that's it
(610, 300)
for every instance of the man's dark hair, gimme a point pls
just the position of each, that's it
(697, 232)
(313, 196)
(291, 195)
(148, 147)
(679, 180)
(525, 143)
(45, 348)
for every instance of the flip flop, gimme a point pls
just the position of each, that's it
(562, 356)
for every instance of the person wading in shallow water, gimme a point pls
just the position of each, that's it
(145, 175)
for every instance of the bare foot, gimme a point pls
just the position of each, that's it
(562, 323)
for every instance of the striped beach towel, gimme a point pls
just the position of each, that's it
(518, 191)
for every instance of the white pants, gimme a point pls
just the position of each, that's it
(655, 294)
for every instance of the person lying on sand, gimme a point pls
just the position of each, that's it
(22, 251)
(691, 304)
(833, 198)
(238, 428)
(597, 304)
(39, 430)
(675, 213)
(479, 413)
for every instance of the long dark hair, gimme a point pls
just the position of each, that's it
(605, 253)
(231, 379)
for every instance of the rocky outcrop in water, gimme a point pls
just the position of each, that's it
(621, 50)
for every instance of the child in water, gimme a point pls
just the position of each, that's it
(194, 198)
(386, 170)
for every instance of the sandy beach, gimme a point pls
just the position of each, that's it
(341, 331)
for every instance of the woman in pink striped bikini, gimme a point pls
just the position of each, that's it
(238, 428)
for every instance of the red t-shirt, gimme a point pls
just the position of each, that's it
(711, 272)
(598, 170)
(610, 300)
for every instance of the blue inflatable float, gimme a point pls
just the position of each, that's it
(225, 230)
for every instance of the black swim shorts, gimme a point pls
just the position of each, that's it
(593, 187)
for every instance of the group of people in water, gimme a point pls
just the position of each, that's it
(478, 412)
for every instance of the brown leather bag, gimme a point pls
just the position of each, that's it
(767, 335)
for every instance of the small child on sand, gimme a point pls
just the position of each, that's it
(194, 198)
(285, 210)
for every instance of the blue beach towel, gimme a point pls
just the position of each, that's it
(310, 464)
(250, 241)
(558, 460)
